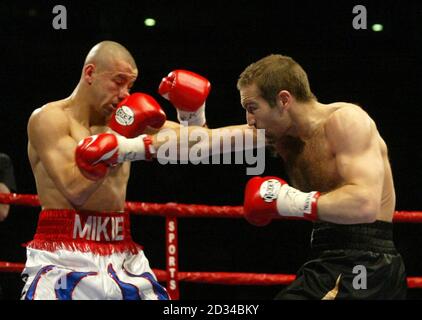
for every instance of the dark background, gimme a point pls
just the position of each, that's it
(380, 71)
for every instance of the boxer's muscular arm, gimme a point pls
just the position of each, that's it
(241, 136)
(49, 134)
(352, 136)
(167, 125)
(160, 137)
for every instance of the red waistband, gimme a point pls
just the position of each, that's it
(101, 232)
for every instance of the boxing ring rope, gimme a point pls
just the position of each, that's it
(171, 211)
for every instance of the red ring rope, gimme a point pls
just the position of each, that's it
(172, 209)
(238, 278)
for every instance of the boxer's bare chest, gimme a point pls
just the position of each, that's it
(79, 131)
(310, 164)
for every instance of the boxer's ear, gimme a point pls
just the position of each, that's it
(284, 99)
(88, 73)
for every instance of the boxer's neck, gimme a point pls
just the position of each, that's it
(83, 107)
(306, 119)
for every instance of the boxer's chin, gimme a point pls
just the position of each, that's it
(108, 109)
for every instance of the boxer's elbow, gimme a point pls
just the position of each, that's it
(368, 209)
(77, 189)
(77, 198)
(76, 195)
(77, 201)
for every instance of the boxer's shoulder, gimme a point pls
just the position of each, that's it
(344, 112)
(348, 123)
(50, 116)
(55, 109)
(339, 108)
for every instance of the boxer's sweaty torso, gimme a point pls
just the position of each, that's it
(110, 196)
(311, 165)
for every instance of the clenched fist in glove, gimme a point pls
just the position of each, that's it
(270, 197)
(187, 91)
(135, 113)
(95, 154)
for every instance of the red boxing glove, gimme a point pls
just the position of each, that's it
(95, 154)
(270, 197)
(187, 91)
(135, 113)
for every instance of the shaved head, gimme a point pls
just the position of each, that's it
(108, 74)
(105, 53)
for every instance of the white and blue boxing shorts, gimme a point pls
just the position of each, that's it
(85, 255)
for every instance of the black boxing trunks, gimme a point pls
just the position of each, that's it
(350, 262)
